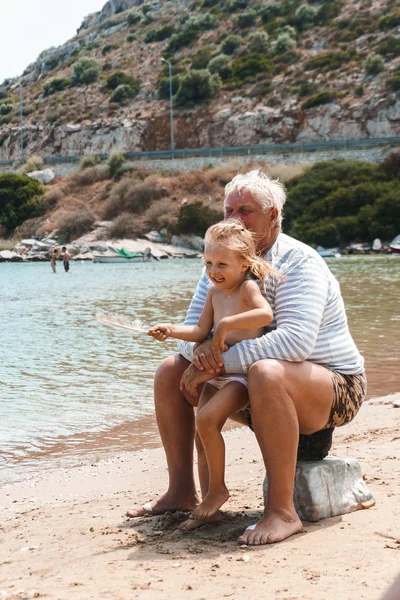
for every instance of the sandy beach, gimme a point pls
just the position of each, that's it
(64, 535)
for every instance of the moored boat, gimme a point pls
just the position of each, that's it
(122, 256)
(395, 245)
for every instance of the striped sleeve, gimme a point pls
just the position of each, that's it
(299, 310)
(193, 314)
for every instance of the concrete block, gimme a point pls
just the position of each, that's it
(327, 488)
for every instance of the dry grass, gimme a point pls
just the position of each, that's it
(32, 228)
(8, 244)
(131, 196)
(125, 226)
(74, 224)
(162, 213)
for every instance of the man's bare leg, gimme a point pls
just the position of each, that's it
(286, 399)
(175, 419)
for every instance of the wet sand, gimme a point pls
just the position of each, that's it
(64, 535)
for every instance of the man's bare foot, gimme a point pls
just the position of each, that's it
(210, 505)
(273, 527)
(166, 503)
(191, 524)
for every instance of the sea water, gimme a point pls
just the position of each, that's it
(72, 390)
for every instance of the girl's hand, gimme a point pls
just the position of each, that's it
(218, 340)
(160, 332)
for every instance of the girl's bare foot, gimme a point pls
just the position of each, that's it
(273, 527)
(210, 505)
(164, 504)
(191, 524)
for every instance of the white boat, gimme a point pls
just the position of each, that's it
(395, 245)
(328, 252)
(123, 256)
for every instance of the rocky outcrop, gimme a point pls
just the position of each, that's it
(112, 7)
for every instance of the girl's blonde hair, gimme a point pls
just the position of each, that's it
(232, 234)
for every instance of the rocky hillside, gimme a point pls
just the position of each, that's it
(244, 72)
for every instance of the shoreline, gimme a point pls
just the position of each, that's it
(64, 535)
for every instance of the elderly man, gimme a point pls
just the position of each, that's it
(305, 375)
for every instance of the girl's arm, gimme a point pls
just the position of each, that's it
(258, 315)
(188, 333)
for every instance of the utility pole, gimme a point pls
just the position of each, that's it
(171, 108)
(22, 158)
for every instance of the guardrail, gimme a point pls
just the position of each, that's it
(233, 150)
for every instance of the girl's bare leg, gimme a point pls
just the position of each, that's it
(210, 419)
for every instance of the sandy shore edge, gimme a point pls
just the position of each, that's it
(64, 535)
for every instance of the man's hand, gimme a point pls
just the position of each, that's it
(192, 378)
(160, 332)
(207, 356)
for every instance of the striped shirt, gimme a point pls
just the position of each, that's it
(309, 317)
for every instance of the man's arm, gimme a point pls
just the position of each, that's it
(299, 307)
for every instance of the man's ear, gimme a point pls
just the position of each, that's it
(274, 216)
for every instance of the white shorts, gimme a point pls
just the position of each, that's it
(223, 380)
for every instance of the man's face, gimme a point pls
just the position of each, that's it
(263, 224)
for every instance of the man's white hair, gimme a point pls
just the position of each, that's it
(268, 193)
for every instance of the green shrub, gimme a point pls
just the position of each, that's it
(34, 163)
(374, 64)
(304, 16)
(5, 108)
(115, 162)
(159, 35)
(220, 65)
(74, 224)
(109, 48)
(196, 87)
(201, 59)
(394, 83)
(283, 43)
(20, 199)
(56, 85)
(196, 218)
(236, 5)
(86, 70)
(257, 41)
(209, 3)
(327, 12)
(318, 99)
(121, 78)
(330, 60)
(270, 12)
(230, 44)
(391, 46)
(246, 19)
(89, 161)
(122, 94)
(338, 201)
(163, 86)
(180, 40)
(390, 21)
(249, 67)
(130, 37)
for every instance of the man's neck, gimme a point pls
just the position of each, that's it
(266, 244)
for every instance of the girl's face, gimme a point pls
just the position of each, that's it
(224, 267)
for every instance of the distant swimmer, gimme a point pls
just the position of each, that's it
(66, 259)
(53, 259)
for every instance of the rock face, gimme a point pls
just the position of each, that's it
(234, 126)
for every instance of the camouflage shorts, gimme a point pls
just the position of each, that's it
(348, 394)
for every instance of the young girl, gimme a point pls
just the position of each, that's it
(235, 310)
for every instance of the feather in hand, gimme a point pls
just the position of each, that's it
(121, 322)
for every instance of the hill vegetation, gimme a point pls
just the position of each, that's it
(302, 51)
(331, 203)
